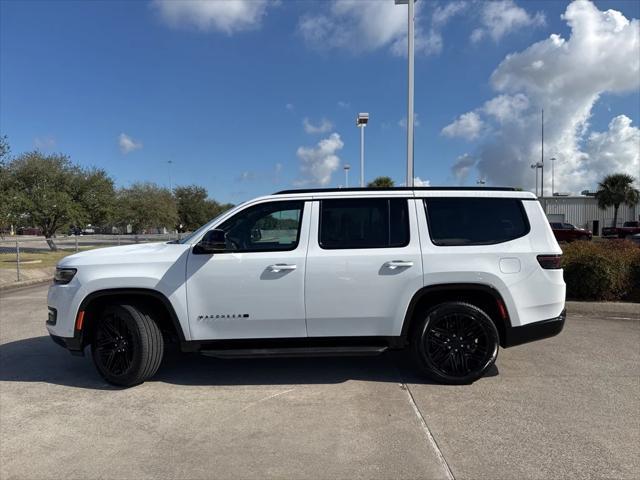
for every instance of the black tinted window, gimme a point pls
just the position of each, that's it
(364, 223)
(264, 227)
(475, 221)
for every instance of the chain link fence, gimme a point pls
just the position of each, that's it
(15, 249)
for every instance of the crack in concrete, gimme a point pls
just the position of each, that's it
(427, 433)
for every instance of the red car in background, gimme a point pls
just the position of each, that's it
(627, 230)
(565, 232)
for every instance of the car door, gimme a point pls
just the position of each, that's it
(363, 266)
(255, 288)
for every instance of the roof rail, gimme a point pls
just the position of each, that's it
(379, 189)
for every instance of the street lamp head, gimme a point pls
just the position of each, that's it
(362, 119)
(347, 167)
(404, 2)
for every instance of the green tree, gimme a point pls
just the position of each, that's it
(50, 192)
(381, 182)
(193, 207)
(615, 190)
(146, 206)
(94, 191)
(214, 208)
(6, 188)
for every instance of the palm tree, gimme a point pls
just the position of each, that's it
(381, 182)
(616, 189)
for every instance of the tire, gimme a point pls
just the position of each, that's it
(455, 343)
(127, 345)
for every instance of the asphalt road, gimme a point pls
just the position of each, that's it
(567, 407)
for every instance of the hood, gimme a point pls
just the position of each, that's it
(136, 253)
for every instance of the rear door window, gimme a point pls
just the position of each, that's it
(475, 221)
(364, 223)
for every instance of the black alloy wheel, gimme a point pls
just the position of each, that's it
(456, 343)
(127, 345)
(114, 344)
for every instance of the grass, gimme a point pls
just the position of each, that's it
(46, 259)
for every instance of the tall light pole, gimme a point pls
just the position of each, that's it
(553, 187)
(410, 75)
(361, 121)
(169, 162)
(542, 155)
(537, 166)
(346, 175)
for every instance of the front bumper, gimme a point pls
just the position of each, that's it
(534, 331)
(73, 344)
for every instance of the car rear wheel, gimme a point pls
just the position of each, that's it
(455, 343)
(127, 345)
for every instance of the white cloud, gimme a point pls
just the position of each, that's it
(45, 143)
(318, 163)
(342, 104)
(443, 13)
(323, 127)
(418, 182)
(365, 26)
(128, 144)
(566, 77)
(402, 123)
(246, 176)
(228, 16)
(615, 150)
(500, 17)
(290, 107)
(462, 167)
(468, 125)
(506, 108)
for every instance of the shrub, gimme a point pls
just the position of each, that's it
(602, 270)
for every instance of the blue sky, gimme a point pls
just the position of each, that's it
(226, 102)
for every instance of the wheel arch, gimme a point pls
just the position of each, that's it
(483, 296)
(160, 305)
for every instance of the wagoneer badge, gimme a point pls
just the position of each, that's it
(223, 315)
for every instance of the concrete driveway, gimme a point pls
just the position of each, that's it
(567, 407)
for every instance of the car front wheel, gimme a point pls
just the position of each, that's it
(127, 345)
(455, 343)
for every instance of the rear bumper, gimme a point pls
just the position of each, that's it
(534, 331)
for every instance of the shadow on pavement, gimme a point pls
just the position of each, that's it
(38, 359)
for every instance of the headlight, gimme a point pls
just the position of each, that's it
(63, 275)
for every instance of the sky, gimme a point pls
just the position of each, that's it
(248, 97)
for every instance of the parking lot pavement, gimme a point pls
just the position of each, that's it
(567, 407)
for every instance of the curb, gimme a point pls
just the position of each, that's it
(621, 308)
(24, 283)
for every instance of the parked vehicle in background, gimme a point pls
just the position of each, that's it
(636, 239)
(626, 230)
(29, 231)
(324, 272)
(566, 232)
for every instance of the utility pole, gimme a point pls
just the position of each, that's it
(553, 186)
(170, 185)
(361, 122)
(346, 175)
(410, 84)
(542, 156)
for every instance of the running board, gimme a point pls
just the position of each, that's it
(295, 352)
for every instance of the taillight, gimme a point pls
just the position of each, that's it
(550, 262)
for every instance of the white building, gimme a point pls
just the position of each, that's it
(583, 211)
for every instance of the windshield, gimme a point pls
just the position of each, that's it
(197, 232)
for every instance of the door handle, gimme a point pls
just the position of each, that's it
(281, 267)
(393, 264)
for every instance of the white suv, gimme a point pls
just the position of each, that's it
(452, 273)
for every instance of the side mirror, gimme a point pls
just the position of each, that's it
(256, 234)
(212, 242)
